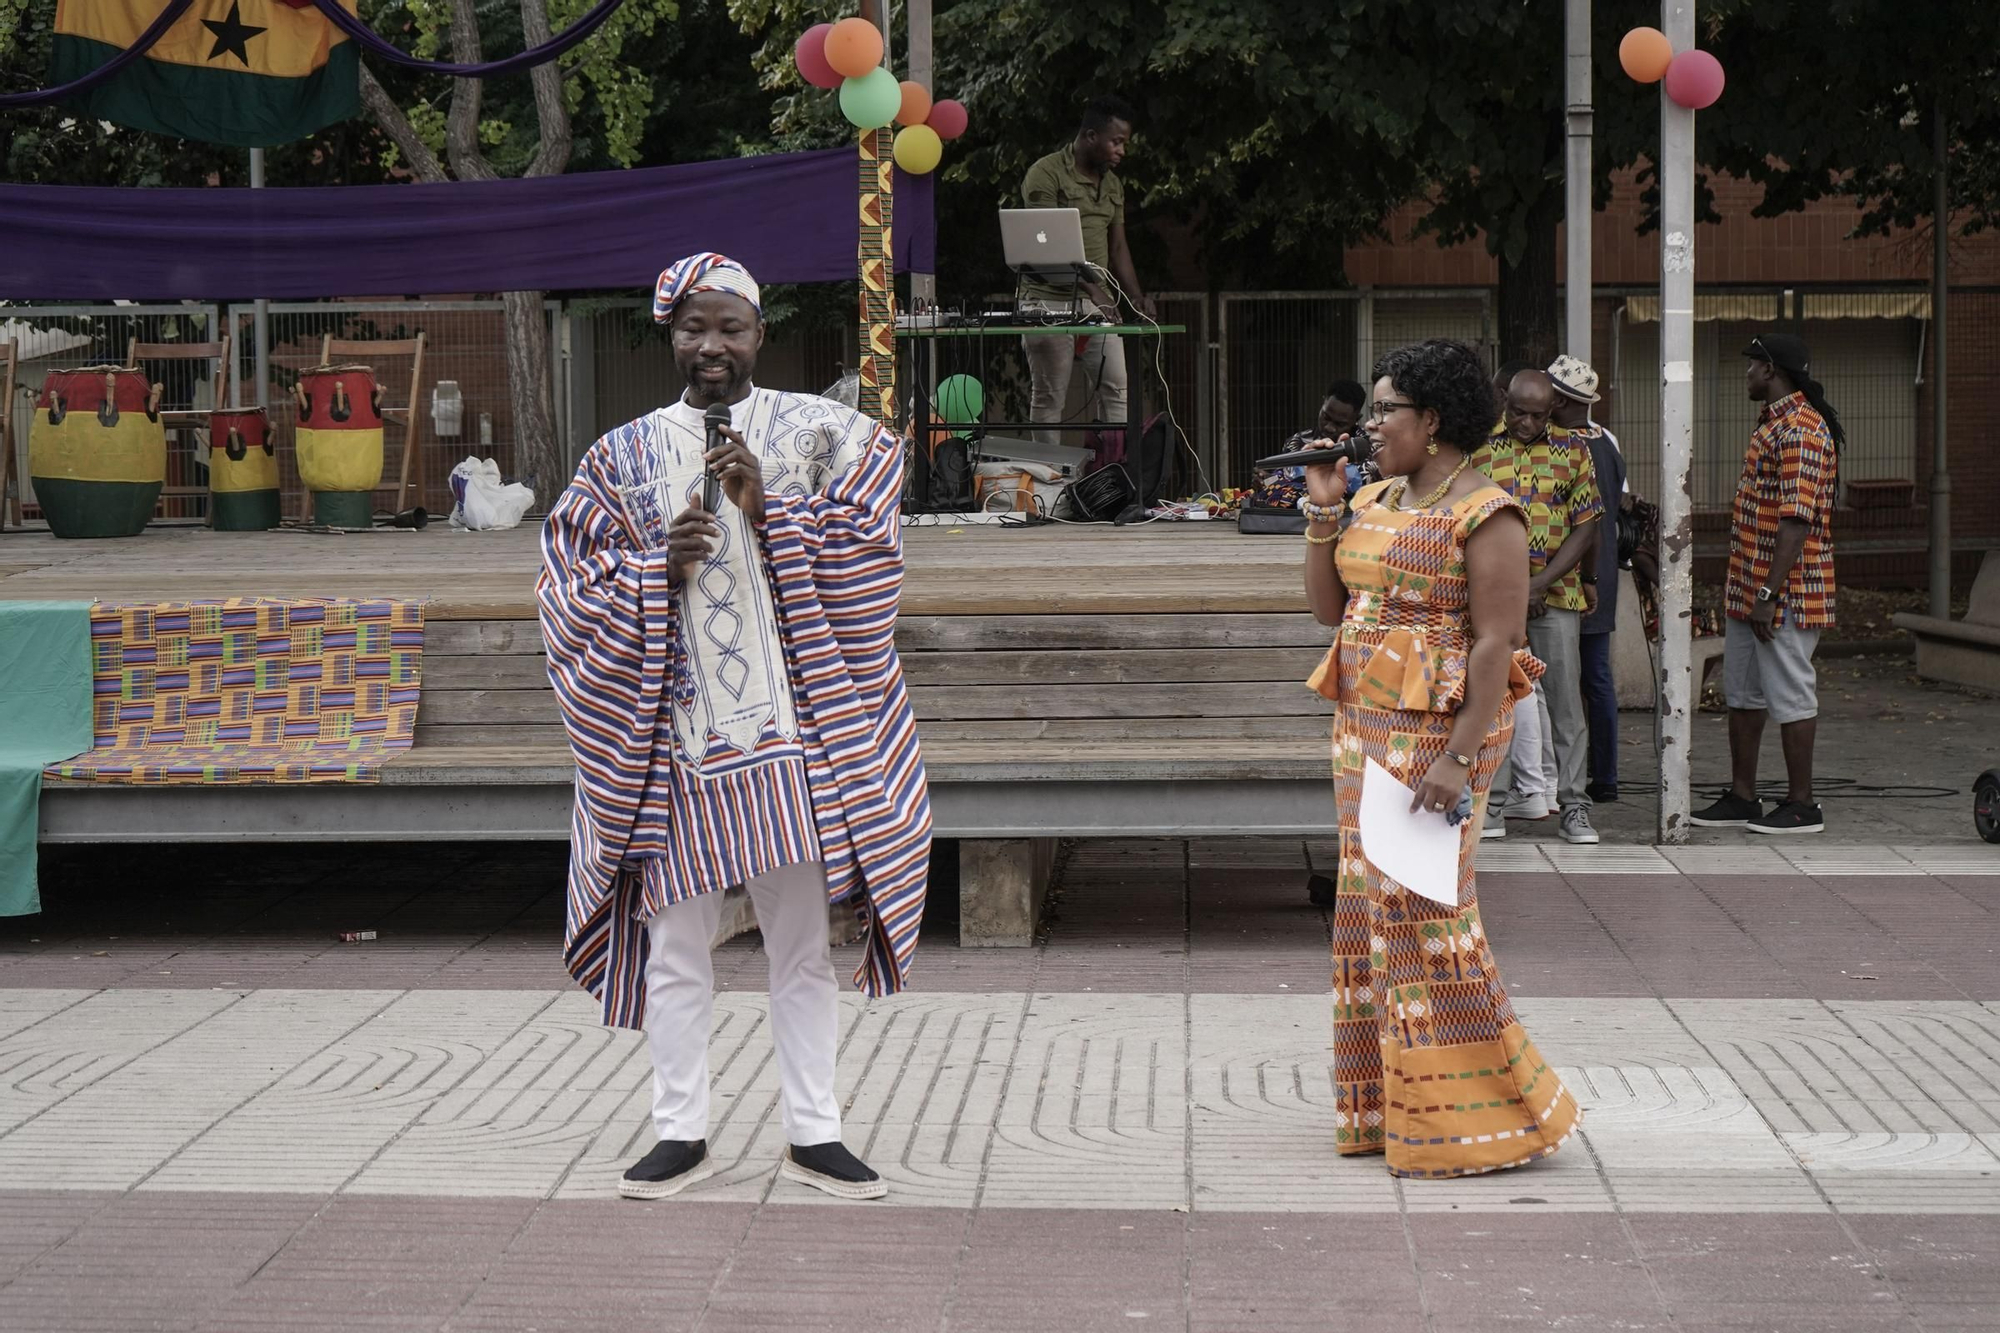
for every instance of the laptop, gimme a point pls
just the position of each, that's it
(1043, 243)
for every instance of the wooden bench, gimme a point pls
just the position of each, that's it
(1962, 652)
(1034, 728)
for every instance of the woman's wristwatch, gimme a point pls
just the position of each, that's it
(1462, 760)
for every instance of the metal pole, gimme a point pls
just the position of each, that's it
(1676, 729)
(923, 286)
(261, 324)
(1576, 179)
(1940, 285)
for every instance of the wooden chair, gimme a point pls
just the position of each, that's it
(409, 486)
(10, 486)
(189, 417)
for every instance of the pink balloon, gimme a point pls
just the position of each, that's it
(948, 118)
(810, 56)
(1694, 80)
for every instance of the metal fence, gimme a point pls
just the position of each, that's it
(1251, 368)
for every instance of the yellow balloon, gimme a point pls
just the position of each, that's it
(918, 149)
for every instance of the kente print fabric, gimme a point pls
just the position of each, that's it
(1788, 472)
(1431, 1066)
(753, 717)
(1556, 485)
(250, 691)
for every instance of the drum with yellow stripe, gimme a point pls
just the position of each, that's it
(97, 451)
(340, 442)
(242, 471)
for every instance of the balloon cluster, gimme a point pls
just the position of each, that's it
(848, 55)
(1693, 78)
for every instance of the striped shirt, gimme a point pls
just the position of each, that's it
(1788, 472)
(1556, 486)
(755, 717)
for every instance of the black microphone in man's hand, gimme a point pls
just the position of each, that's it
(716, 418)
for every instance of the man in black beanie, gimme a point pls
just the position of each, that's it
(1781, 589)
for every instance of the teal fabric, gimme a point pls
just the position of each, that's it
(44, 718)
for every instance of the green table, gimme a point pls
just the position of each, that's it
(922, 343)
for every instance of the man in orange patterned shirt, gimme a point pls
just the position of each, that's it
(1780, 593)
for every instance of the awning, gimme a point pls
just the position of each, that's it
(1770, 307)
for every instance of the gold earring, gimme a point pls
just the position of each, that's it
(1432, 447)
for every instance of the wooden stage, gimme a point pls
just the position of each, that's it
(1067, 680)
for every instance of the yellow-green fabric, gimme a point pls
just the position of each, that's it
(45, 684)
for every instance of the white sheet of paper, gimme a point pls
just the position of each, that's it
(1418, 850)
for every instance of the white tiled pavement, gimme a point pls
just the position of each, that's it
(1206, 1101)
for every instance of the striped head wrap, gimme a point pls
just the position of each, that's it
(705, 272)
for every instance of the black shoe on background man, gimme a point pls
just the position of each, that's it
(1791, 817)
(1732, 811)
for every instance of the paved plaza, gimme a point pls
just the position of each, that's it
(216, 1115)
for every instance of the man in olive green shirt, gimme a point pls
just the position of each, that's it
(1083, 176)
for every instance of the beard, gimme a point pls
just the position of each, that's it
(713, 390)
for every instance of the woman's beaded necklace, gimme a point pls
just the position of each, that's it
(1395, 495)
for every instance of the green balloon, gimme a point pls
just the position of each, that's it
(871, 101)
(961, 400)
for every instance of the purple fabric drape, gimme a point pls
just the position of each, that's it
(788, 217)
(479, 69)
(104, 73)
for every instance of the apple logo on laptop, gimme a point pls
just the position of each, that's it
(1041, 238)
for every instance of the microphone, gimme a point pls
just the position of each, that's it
(715, 419)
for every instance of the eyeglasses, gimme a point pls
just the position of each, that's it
(1379, 412)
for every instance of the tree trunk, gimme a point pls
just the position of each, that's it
(538, 458)
(1528, 304)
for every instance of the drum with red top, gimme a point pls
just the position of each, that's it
(340, 442)
(243, 493)
(97, 451)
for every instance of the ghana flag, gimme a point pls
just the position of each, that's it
(249, 73)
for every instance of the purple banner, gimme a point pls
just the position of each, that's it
(790, 217)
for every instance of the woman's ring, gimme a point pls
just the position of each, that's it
(1438, 808)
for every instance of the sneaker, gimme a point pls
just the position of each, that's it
(1320, 891)
(671, 1167)
(1603, 793)
(830, 1167)
(1790, 817)
(1493, 827)
(1576, 825)
(1732, 811)
(1526, 807)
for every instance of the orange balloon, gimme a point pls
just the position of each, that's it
(916, 104)
(853, 47)
(1645, 54)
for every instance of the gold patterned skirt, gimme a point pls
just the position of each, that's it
(1431, 1065)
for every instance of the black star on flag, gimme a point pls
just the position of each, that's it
(232, 35)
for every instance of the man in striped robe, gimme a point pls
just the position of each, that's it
(731, 689)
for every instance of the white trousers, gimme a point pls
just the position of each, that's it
(805, 1014)
(1534, 749)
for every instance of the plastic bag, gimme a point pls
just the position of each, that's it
(481, 501)
(846, 390)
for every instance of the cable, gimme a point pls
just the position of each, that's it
(1159, 370)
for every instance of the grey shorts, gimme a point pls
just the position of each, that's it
(1777, 677)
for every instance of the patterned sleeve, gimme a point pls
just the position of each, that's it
(1585, 500)
(1805, 470)
(599, 595)
(848, 539)
(1487, 504)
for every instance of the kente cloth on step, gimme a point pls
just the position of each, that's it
(1430, 1064)
(752, 719)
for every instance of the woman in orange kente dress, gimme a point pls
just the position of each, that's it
(1426, 575)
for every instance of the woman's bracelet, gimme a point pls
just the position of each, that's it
(1327, 540)
(1319, 513)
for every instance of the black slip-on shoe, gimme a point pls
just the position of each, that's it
(1791, 817)
(671, 1167)
(833, 1169)
(1732, 811)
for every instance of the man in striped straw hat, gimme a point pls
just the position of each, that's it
(729, 682)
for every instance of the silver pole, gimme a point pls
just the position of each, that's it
(1676, 729)
(923, 286)
(1576, 179)
(262, 319)
(1940, 284)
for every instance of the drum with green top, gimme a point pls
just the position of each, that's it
(340, 442)
(242, 471)
(97, 451)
